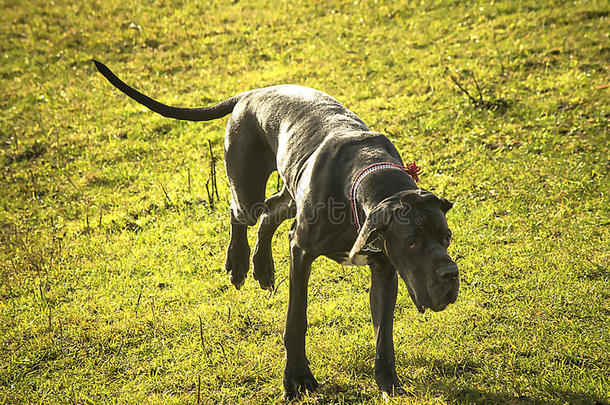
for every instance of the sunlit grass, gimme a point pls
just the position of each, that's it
(112, 278)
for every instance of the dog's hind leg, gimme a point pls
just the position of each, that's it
(279, 207)
(248, 161)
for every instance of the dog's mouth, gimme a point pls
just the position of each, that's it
(431, 304)
(422, 308)
(450, 298)
(434, 303)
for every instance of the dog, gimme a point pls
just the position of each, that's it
(353, 201)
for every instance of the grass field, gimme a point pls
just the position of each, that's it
(113, 287)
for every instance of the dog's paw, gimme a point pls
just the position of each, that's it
(297, 381)
(396, 392)
(237, 263)
(264, 270)
(387, 380)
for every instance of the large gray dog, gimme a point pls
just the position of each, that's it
(353, 201)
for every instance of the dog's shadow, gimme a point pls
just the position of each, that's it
(441, 384)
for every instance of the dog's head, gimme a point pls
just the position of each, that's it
(412, 231)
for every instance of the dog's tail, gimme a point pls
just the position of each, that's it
(189, 114)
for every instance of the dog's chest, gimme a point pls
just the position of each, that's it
(343, 259)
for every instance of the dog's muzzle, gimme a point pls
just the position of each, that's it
(447, 287)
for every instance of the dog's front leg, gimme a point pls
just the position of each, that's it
(384, 288)
(297, 375)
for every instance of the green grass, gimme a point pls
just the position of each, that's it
(104, 278)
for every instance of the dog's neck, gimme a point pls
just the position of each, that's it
(381, 184)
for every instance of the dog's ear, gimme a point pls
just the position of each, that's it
(378, 219)
(446, 205)
(423, 196)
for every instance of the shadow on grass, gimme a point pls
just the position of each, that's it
(441, 382)
(471, 395)
(448, 372)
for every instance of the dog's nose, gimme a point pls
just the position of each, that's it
(448, 274)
